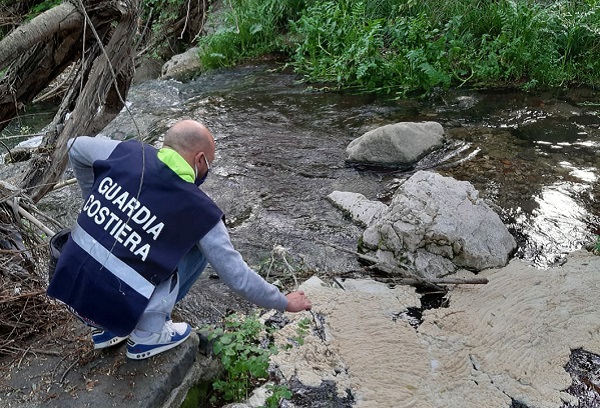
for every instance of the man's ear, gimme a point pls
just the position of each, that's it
(197, 159)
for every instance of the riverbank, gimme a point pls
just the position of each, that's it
(504, 344)
(60, 368)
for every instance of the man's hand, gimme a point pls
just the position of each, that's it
(297, 302)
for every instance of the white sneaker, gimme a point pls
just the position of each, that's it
(103, 339)
(172, 334)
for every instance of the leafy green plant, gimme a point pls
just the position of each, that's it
(338, 43)
(406, 46)
(278, 393)
(303, 328)
(160, 12)
(249, 28)
(245, 361)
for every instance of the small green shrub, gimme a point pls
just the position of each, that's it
(250, 28)
(246, 362)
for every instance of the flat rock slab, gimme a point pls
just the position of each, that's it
(505, 341)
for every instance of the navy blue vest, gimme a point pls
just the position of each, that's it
(140, 219)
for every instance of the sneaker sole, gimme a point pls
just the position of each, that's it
(109, 343)
(157, 350)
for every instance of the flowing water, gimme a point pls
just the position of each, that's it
(281, 151)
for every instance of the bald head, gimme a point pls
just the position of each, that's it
(189, 138)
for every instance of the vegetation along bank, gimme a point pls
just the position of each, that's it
(407, 46)
(399, 47)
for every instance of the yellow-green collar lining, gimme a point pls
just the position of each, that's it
(176, 163)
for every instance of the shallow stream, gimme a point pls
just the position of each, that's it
(281, 151)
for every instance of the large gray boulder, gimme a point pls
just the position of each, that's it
(400, 144)
(436, 225)
(182, 65)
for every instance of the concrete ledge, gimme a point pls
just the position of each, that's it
(81, 377)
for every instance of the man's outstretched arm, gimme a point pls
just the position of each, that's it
(237, 275)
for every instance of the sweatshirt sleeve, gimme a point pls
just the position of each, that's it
(83, 152)
(235, 272)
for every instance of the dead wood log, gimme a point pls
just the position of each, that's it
(99, 35)
(93, 100)
(63, 18)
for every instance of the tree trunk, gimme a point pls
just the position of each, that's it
(82, 32)
(64, 17)
(36, 56)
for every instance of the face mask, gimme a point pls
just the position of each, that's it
(199, 180)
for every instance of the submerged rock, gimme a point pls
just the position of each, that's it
(399, 144)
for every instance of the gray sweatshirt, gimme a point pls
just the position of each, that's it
(215, 245)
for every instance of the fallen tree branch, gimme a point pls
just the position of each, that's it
(40, 215)
(12, 298)
(31, 218)
(62, 378)
(65, 183)
(440, 281)
(62, 17)
(57, 87)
